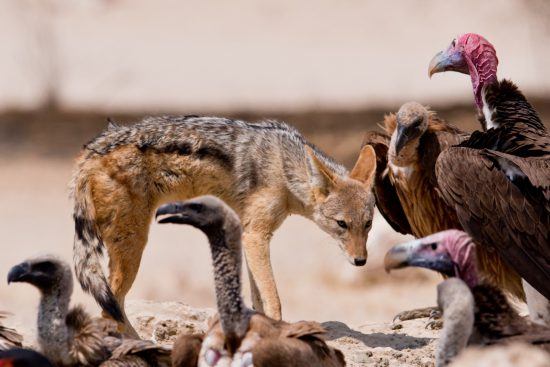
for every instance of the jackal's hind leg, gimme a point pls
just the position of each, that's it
(125, 251)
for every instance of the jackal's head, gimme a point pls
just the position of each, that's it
(344, 206)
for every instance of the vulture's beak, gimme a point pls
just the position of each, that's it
(438, 64)
(172, 213)
(419, 254)
(398, 256)
(401, 139)
(451, 59)
(19, 273)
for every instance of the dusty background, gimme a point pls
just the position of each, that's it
(330, 68)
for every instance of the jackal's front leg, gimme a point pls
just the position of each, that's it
(265, 297)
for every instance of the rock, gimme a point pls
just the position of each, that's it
(162, 322)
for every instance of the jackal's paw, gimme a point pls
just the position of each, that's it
(418, 313)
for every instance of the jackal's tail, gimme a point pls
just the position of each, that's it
(88, 246)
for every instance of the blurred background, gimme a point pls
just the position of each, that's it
(331, 68)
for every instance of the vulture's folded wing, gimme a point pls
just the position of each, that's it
(137, 352)
(9, 338)
(387, 200)
(502, 202)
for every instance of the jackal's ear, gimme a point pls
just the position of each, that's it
(365, 167)
(321, 178)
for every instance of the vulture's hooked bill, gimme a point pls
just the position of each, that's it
(240, 336)
(406, 187)
(498, 180)
(474, 313)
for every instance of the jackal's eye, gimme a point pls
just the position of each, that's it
(342, 224)
(368, 224)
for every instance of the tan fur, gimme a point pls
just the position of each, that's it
(127, 183)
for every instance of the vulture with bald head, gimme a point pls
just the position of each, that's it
(498, 180)
(474, 312)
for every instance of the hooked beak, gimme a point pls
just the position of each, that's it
(401, 140)
(418, 254)
(398, 256)
(172, 213)
(438, 63)
(19, 273)
(449, 60)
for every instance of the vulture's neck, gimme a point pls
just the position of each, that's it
(53, 335)
(225, 245)
(458, 325)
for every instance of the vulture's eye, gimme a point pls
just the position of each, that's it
(453, 44)
(368, 224)
(342, 224)
(434, 246)
(196, 207)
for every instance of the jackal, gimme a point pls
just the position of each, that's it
(264, 171)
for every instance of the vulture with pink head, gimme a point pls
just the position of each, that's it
(474, 312)
(498, 180)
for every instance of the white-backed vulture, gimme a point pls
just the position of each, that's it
(474, 313)
(70, 337)
(240, 336)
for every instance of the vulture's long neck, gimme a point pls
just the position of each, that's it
(53, 334)
(225, 244)
(458, 308)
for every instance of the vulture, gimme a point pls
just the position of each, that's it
(407, 192)
(498, 180)
(239, 336)
(19, 357)
(70, 337)
(9, 338)
(474, 312)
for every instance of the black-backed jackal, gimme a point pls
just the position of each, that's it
(264, 171)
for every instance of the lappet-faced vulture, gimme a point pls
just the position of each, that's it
(498, 180)
(240, 336)
(474, 313)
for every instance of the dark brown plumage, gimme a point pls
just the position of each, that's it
(415, 138)
(239, 335)
(498, 180)
(71, 337)
(9, 338)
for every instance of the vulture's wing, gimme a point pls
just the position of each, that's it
(92, 343)
(299, 344)
(387, 200)
(137, 353)
(502, 202)
(9, 338)
(186, 350)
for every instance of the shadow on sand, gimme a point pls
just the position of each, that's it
(338, 329)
